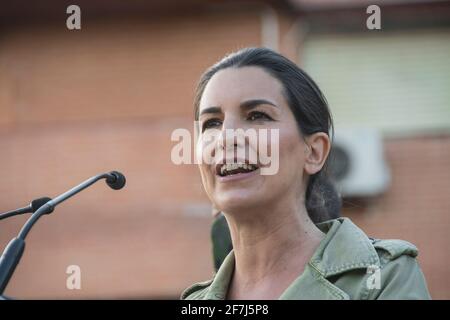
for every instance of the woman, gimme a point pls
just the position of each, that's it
(282, 246)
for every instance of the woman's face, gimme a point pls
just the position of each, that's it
(248, 98)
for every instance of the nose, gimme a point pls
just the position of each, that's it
(232, 140)
(226, 139)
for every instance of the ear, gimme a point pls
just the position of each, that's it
(317, 148)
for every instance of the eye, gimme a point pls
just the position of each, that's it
(211, 123)
(258, 115)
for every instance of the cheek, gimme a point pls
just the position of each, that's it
(207, 178)
(205, 153)
(203, 172)
(206, 147)
(292, 155)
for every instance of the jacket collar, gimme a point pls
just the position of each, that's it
(219, 287)
(345, 247)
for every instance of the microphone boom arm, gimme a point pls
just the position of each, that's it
(15, 248)
(49, 206)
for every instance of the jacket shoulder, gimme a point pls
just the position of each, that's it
(400, 276)
(196, 291)
(391, 249)
(397, 276)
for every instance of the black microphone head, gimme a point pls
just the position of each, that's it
(37, 203)
(116, 180)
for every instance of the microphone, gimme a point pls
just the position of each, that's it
(32, 207)
(14, 250)
(116, 180)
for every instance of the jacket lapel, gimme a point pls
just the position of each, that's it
(311, 285)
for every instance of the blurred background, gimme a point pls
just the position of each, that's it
(75, 103)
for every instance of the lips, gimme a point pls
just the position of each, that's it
(238, 177)
(235, 167)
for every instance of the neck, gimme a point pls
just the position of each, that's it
(271, 242)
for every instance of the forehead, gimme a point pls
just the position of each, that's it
(234, 85)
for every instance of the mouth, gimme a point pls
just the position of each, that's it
(235, 169)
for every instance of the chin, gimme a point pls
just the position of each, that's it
(236, 200)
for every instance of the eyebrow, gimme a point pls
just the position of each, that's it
(246, 105)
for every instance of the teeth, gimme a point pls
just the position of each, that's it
(233, 166)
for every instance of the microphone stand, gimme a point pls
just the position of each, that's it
(14, 213)
(34, 205)
(14, 250)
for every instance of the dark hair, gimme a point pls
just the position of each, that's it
(310, 110)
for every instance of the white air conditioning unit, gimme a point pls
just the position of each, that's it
(357, 163)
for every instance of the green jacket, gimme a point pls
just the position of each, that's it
(346, 265)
